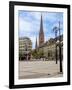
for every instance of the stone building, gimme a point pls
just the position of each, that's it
(25, 47)
(49, 48)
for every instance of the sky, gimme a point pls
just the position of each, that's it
(29, 24)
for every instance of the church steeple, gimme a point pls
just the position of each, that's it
(41, 33)
(41, 25)
(36, 43)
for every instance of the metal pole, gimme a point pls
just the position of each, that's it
(56, 54)
(55, 29)
(60, 49)
(26, 53)
(56, 45)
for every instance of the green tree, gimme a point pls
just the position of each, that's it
(34, 54)
(20, 56)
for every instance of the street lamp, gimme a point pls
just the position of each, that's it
(55, 29)
(60, 57)
(26, 51)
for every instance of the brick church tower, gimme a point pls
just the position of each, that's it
(41, 33)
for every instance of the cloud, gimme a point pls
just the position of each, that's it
(28, 25)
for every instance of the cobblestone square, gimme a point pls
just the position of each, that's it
(39, 69)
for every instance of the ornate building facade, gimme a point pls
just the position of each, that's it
(25, 47)
(49, 48)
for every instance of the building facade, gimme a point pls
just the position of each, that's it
(25, 47)
(49, 48)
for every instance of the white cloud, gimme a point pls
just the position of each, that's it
(28, 26)
(35, 15)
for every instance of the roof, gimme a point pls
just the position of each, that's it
(23, 38)
(51, 41)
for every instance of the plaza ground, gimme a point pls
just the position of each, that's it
(38, 69)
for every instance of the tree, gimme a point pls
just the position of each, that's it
(20, 56)
(37, 54)
(34, 54)
(41, 54)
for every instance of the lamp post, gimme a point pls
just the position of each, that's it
(26, 52)
(55, 29)
(60, 57)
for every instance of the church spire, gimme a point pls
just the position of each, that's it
(41, 25)
(41, 33)
(36, 43)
